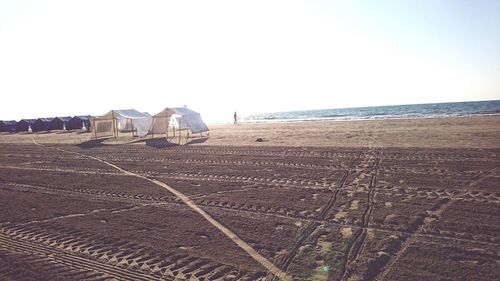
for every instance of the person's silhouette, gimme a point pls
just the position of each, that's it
(235, 116)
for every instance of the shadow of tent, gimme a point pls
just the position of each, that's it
(159, 143)
(198, 140)
(92, 143)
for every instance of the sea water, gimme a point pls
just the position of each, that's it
(431, 110)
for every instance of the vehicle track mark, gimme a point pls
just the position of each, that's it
(357, 246)
(60, 169)
(438, 210)
(139, 200)
(230, 234)
(308, 229)
(71, 250)
(19, 245)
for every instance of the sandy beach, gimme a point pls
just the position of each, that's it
(249, 140)
(463, 132)
(353, 200)
(479, 132)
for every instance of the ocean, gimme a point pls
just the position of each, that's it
(431, 110)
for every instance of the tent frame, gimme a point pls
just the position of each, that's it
(114, 126)
(169, 113)
(179, 130)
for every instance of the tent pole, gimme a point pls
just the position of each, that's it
(113, 122)
(93, 126)
(153, 129)
(132, 125)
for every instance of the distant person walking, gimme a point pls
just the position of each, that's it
(235, 116)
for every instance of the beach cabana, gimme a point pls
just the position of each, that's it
(79, 122)
(116, 121)
(8, 126)
(24, 125)
(42, 124)
(181, 118)
(61, 123)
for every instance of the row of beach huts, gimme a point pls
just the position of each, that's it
(79, 122)
(116, 122)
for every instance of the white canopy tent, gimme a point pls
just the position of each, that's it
(128, 120)
(180, 117)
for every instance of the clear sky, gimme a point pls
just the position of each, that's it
(86, 57)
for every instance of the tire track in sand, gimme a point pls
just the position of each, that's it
(231, 235)
(356, 248)
(439, 209)
(308, 229)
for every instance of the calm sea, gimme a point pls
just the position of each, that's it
(383, 112)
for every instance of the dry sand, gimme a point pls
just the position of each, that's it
(420, 208)
(463, 132)
(478, 132)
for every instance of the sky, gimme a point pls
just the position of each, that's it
(66, 57)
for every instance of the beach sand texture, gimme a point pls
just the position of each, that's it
(353, 200)
(472, 132)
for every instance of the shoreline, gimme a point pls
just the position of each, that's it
(420, 110)
(333, 119)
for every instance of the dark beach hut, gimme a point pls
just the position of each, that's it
(24, 124)
(8, 126)
(42, 124)
(79, 122)
(59, 123)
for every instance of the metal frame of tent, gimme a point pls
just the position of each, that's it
(180, 129)
(114, 126)
(182, 117)
(110, 123)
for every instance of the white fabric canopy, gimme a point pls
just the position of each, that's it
(128, 119)
(178, 116)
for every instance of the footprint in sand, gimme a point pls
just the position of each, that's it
(346, 232)
(340, 215)
(354, 205)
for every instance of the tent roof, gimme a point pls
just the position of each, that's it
(189, 118)
(183, 111)
(8, 122)
(49, 119)
(65, 118)
(83, 117)
(125, 113)
(28, 120)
